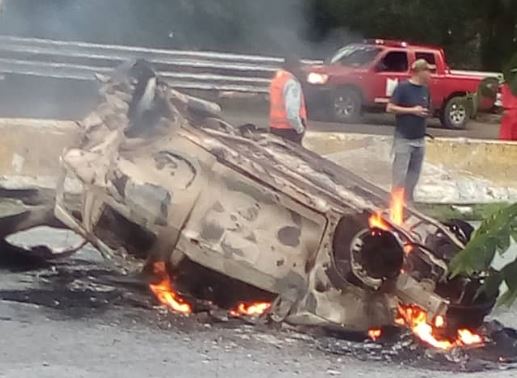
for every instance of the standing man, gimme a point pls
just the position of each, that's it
(411, 102)
(288, 114)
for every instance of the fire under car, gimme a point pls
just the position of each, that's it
(237, 216)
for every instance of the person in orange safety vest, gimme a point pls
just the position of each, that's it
(288, 113)
(508, 129)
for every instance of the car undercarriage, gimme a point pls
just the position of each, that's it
(239, 215)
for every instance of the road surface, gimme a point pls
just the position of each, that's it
(375, 124)
(65, 320)
(33, 97)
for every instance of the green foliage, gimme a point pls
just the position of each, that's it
(509, 274)
(493, 236)
(510, 73)
(473, 212)
(474, 32)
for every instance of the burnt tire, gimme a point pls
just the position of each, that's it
(442, 245)
(456, 113)
(347, 105)
(469, 309)
(463, 230)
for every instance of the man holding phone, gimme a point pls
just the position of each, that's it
(411, 103)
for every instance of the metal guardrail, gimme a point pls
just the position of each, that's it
(183, 69)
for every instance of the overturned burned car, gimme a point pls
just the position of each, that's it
(239, 215)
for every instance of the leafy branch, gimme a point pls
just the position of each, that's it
(495, 235)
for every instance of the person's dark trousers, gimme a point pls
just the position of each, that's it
(407, 166)
(289, 134)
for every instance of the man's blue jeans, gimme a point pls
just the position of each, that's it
(407, 165)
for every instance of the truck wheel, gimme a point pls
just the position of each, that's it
(456, 114)
(347, 105)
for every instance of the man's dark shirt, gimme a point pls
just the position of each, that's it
(408, 95)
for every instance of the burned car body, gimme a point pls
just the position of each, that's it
(164, 178)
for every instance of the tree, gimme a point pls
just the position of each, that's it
(510, 74)
(498, 31)
(472, 31)
(475, 33)
(494, 236)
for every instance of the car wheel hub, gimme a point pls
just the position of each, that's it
(344, 106)
(458, 114)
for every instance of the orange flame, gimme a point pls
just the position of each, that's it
(418, 321)
(408, 248)
(375, 334)
(254, 309)
(376, 221)
(397, 205)
(164, 291)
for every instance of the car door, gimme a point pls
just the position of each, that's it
(391, 68)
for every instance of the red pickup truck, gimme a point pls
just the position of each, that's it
(362, 76)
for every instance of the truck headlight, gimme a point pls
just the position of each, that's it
(317, 78)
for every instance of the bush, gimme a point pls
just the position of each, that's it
(495, 235)
(510, 73)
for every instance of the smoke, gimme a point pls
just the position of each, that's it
(92, 20)
(275, 27)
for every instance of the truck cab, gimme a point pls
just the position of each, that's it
(362, 77)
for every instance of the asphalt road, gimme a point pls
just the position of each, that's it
(376, 124)
(31, 97)
(72, 319)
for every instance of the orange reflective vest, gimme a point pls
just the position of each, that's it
(278, 112)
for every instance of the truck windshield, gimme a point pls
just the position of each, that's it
(355, 55)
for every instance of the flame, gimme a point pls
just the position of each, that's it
(376, 221)
(418, 321)
(408, 248)
(469, 338)
(397, 205)
(375, 334)
(164, 291)
(253, 309)
(439, 322)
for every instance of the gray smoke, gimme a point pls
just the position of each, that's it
(273, 27)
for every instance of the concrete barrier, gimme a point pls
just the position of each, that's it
(31, 148)
(494, 161)
(456, 170)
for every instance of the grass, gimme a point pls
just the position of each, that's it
(466, 212)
